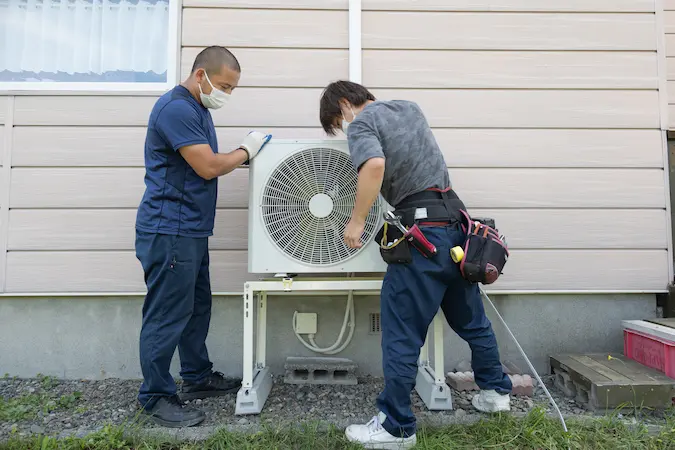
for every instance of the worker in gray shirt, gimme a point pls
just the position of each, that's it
(396, 154)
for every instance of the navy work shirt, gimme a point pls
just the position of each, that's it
(177, 201)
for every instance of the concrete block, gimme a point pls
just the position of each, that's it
(461, 381)
(320, 370)
(523, 385)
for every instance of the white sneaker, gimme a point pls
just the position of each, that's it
(373, 436)
(491, 401)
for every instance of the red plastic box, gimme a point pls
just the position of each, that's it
(650, 344)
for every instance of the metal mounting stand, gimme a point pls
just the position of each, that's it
(257, 379)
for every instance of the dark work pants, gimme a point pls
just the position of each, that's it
(410, 297)
(176, 311)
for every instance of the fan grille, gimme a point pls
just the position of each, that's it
(307, 202)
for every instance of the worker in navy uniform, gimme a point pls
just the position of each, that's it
(396, 154)
(173, 224)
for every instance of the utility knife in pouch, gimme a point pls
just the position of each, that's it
(393, 247)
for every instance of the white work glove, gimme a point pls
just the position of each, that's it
(254, 142)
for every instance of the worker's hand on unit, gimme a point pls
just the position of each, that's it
(254, 142)
(353, 233)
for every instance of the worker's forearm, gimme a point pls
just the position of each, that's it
(367, 188)
(227, 162)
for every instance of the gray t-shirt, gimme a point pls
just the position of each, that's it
(398, 131)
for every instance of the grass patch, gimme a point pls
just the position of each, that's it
(535, 431)
(28, 406)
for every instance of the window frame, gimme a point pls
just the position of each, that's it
(106, 87)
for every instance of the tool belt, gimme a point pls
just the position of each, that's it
(485, 251)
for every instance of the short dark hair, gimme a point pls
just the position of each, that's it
(213, 58)
(329, 106)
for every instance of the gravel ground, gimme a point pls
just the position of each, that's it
(78, 407)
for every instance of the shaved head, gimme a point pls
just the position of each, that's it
(213, 59)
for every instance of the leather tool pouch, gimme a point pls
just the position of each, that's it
(485, 253)
(394, 249)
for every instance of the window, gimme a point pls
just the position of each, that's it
(95, 45)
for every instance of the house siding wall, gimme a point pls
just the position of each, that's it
(548, 115)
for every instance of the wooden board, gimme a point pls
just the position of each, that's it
(508, 69)
(444, 108)
(666, 322)
(262, 67)
(608, 383)
(265, 28)
(511, 5)
(79, 146)
(113, 229)
(479, 188)
(508, 31)
(119, 271)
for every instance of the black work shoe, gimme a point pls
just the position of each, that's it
(212, 386)
(170, 412)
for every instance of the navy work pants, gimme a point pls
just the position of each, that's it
(176, 311)
(410, 297)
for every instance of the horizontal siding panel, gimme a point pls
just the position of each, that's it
(264, 28)
(114, 146)
(498, 31)
(560, 188)
(112, 229)
(511, 5)
(670, 44)
(103, 188)
(123, 146)
(3, 109)
(271, 4)
(507, 69)
(669, 5)
(533, 109)
(524, 229)
(585, 270)
(106, 271)
(82, 110)
(671, 68)
(282, 67)
(669, 21)
(442, 5)
(479, 188)
(267, 107)
(248, 107)
(2, 143)
(555, 270)
(551, 148)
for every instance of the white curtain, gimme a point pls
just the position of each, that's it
(93, 37)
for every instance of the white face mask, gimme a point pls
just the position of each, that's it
(345, 123)
(216, 99)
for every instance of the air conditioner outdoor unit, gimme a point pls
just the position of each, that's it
(301, 194)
